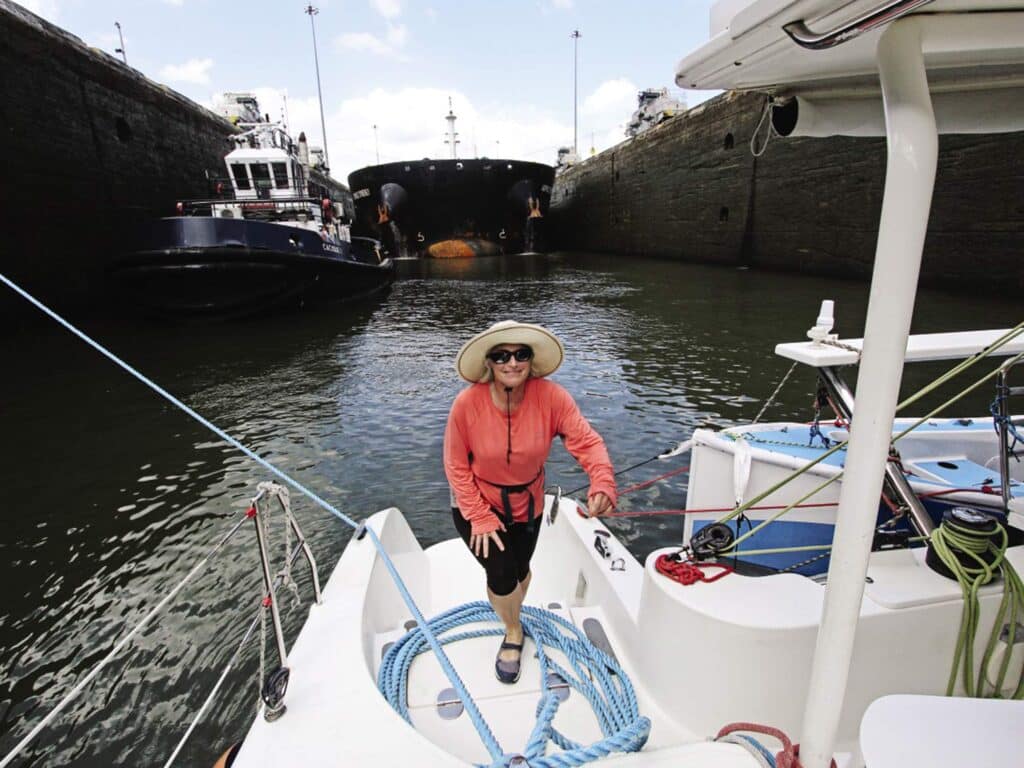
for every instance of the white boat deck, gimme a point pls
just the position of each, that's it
(334, 705)
(672, 643)
(941, 732)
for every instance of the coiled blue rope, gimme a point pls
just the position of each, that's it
(594, 674)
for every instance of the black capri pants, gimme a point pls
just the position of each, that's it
(504, 569)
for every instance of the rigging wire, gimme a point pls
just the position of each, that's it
(80, 686)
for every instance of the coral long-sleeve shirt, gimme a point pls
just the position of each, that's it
(477, 462)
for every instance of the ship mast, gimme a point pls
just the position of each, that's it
(451, 134)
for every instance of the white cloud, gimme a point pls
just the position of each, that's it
(389, 9)
(46, 8)
(178, 3)
(611, 96)
(562, 4)
(397, 35)
(192, 71)
(366, 42)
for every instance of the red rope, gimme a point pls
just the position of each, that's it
(706, 510)
(647, 483)
(789, 757)
(989, 489)
(687, 572)
(893, 507)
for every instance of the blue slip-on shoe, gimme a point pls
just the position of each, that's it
(508, 671)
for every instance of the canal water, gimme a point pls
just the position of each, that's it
(111, 495)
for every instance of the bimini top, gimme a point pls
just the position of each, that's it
(801, 46)
(921, 347)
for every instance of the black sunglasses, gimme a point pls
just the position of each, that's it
(502, 356)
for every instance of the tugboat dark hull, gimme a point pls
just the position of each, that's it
(203, 267)
(454, 208)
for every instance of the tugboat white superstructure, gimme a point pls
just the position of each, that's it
(274, 233)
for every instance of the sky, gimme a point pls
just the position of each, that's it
(388, 67)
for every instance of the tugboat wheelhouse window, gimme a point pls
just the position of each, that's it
(260, 175)
(280, 175)
(241, 175)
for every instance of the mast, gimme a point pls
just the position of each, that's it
(311, 12)
(451, 134)
(912, 141)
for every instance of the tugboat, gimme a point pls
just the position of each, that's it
(454, 208)
(273, 234)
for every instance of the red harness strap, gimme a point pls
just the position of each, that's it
(687, 572)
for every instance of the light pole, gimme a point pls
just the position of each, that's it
(575, 67)
(376, 146)
(311, 11)
(124, 56)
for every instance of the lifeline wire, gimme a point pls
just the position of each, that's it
(80, 686)
(216, 689)
(771, 398)
(678, 450)
(261, 613)
(471, 709)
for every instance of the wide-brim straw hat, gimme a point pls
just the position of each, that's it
(548, 351)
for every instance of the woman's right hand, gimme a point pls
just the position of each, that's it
(480, 543)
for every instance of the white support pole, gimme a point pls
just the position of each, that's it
(909, 180)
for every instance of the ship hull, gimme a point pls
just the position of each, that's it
(202, 267)
(454, 208)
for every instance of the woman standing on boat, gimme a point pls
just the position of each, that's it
(499, 435)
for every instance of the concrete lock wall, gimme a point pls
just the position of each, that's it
(691, 189)
(92, 148)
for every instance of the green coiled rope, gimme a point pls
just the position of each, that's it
(949, 539)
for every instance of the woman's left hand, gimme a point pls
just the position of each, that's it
(598, 504)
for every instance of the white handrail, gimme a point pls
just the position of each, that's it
(886, 13)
